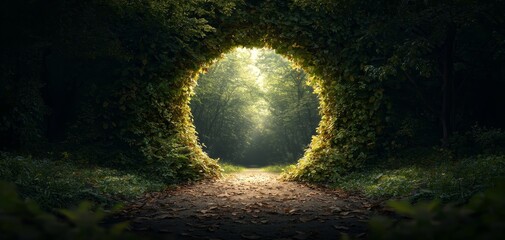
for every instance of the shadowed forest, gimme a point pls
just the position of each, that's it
(252, 119)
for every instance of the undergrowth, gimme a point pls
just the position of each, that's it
(24, 219)
(481, 218)
(278, 168)
(231, 168)
(428, 176)
(56, 183)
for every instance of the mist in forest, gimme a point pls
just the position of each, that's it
(253, 107)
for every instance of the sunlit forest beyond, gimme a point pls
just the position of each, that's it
(254, 108)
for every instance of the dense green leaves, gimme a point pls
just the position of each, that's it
(481, 218)
(113, 79)
(25, 220)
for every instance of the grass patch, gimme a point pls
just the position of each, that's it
(448, 180)
(63, 184)
(231, 168)
(278, 168)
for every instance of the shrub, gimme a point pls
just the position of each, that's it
(61, 183)
(482, 218)
(25, 220)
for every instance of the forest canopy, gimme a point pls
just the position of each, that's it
(252, 107)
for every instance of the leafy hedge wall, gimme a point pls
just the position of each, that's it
(111, 80)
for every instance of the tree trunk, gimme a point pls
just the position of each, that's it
(448, 97)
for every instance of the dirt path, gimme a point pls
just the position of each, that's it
(249, 205)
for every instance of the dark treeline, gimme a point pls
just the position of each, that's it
(110, 81)
(255, 110)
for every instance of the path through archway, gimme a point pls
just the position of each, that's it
(252, 107)
(250, 205)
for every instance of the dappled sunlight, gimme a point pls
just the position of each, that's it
(253, 176)
(253, 107)
(252, 204)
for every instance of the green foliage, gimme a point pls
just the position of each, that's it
(480, 140)
(293, 109)
(427, 175)
(61, 183)
(226, 106)
(279, 168)
(253, 108)
(114, 78)
(230, 168)
(25, 220)
(481, 218)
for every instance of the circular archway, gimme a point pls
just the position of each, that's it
(127, 88)
(349, 100)
(253, 108)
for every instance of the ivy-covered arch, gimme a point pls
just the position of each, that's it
(350, 101)
(110, 80)
(117, 78)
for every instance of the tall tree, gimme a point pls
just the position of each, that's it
(253, 107)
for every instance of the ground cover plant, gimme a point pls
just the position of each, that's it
(21, 219)
(279, 168)
(63, 184)
(230, 168)
(455, 180)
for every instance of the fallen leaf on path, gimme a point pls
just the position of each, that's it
(207, 215)
(164, 216)
(196, 225)
(360, 235)
(141, 219)
(306, 219)
(223, 195)
(177, 209)
(338, 227)
(335, 209)
(204, 211)
(290, 211)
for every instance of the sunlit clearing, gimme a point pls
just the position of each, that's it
(253, 108)
(254, 71)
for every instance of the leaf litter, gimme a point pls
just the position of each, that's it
(250, 205)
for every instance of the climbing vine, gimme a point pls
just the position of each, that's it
(125, 70)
